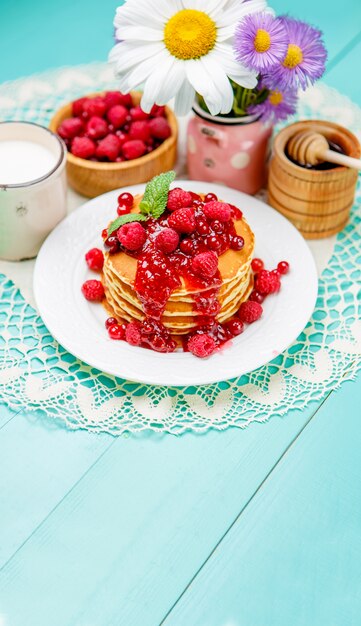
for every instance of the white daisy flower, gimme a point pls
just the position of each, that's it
(179, 47)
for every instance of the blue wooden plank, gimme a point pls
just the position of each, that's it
(294, 555)
(136, 527)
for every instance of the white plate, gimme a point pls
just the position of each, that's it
(79, 325)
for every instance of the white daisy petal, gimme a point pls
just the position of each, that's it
(216, 73)
(125, 56)
(143, 70)
(211, 7)
(138, 33)
(184, 98)
(161, 86)
(200, 81)
(128, 14)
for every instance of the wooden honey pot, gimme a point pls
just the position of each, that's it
(317, 200)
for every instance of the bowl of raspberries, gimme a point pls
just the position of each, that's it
(112, 142)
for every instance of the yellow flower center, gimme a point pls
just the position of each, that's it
(294, 56)
(262, 40)
(190, 34)
(275, 98)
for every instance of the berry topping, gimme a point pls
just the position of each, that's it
(283, 267)
(167, 240)
(117, 115)
(96, 128)
(235, 327)
(139, 130)
(187, 246)
(205, 264)
(110, 321)
(159, 128)
(93, 290)
(132, 236)
(178, 199)
(214, 210)
(183, 221)
(137, 113)
(236, 242)
(250, 312)
(94, 106)
(210, 197)
(70, 128)
(257, 265)
(117, 331)
(201, 345)
(134, 149)
(108, 148)
(267, 283)
(95, 259)
(126, 199)
(83, 147)
(77, 106)
(133, 334)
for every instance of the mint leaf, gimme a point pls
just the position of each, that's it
(155, 197)
(125, 219)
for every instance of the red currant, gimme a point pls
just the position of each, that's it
(276, 273)
(257, 265)
(203, 227)
(111, 321)
(283, 267)
(213, 242)
(195, 196)
(187, 247)
(210, 197)
(126, 199)
(257, 297)
(236, 327)
(217, 226)
(117, 331)
(236, 242)
(112, 243)
(122, 209)
(104, 233)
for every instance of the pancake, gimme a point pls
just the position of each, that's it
(182, 312)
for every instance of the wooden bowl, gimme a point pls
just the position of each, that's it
(318, 202)
(92, 178)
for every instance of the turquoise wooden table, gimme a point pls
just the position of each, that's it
(255, 527)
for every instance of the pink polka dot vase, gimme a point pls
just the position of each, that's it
(230, 151)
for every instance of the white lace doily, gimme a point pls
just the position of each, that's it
(38, 374)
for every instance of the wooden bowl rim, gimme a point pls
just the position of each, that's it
(126, 165)
(286, 133)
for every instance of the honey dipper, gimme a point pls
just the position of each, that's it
(310, 148)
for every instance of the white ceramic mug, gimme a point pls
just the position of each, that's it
(30, 209)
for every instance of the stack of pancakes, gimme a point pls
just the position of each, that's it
(180, 314)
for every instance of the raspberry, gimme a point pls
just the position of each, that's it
(94, 106)
(267, 283)
(123, 137)
(139, 130)
(117, 331)
(96, 128)
(133, 149)
(112, 98)
(250, 312)
(83, 147)
(117, 115)
(183, 220)
(70, 128)
(132, 236)
(159, 128)
(157, 111)
(215, 210)
(95, 259)
(77, 106)
(178, 199)
(257, 265)
(108, 148)
(167, 240)
(201, 345)
(93, 290)
(133, 334)
(205, 264)
(137, 113)
(283, 267)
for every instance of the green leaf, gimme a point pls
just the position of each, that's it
(125, 219)
(155, 197)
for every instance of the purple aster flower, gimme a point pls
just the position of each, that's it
(305, 60)
(278, 105)
(260, 41)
